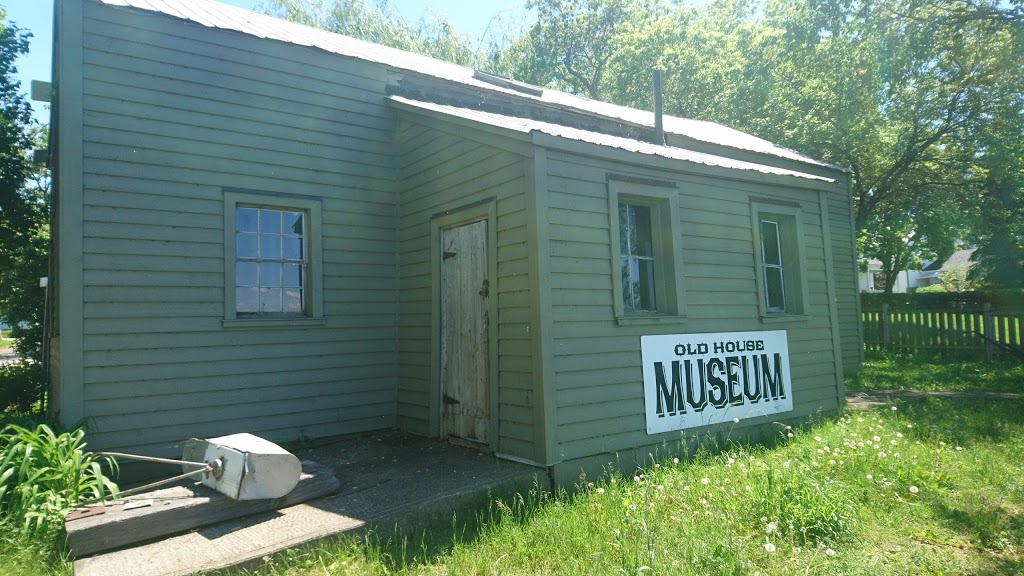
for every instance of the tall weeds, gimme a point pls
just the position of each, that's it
(43, 475)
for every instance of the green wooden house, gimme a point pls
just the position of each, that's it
(267, 228)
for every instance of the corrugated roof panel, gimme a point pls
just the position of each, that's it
(525, 125)
(216, 15)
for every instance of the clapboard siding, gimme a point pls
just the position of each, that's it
(844, 256)
(167, 126)
(598, 379)
(440, 171)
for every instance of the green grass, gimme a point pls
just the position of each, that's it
(930, 373)
(5, 335)
(933, 487)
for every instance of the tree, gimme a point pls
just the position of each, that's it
(434, 37)
(24, 232)
(576, 40)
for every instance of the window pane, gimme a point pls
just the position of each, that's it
(247, 246)
(270, 300)
(645, 285)
(292, 248)
(270, 274)
(270, 221)
(293, 300)
(293, 223)
(770, 253)
(640, 242)
(775, 292)
(292, 275)
(270, 247)
(247, 299)
(246, 219)
(629, 303)
(624, 229)
(246, 274)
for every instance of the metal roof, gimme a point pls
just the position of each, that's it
(526, 125)
(216, 15)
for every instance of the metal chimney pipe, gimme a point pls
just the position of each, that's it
(659, 128)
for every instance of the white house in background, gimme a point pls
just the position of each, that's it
(960, 259)
(871, 278)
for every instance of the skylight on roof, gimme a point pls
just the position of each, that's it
(506, 83)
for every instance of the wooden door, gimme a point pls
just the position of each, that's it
(465, 346)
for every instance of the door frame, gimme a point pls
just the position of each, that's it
(485, 210)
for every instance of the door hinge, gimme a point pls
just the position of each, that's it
(486, 288)
(447, 255)
(448, 400)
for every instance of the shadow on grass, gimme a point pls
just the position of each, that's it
(929, 372)
(964, 420)
(992, 521)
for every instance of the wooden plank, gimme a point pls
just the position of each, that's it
(183, 508)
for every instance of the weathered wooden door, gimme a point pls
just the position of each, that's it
(465, 346)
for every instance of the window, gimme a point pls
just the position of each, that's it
(647, 274)
(878, 281)
(272, 258)
(771, 267)
(780, 278)
(270, 265)
(639, 293)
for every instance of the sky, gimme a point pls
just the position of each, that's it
(466, 16)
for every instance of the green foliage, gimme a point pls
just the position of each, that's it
(932, 289)
(434, 37)
(24, 228)
(22, 386)
(803, 503)
(43, 475)
(938, 297)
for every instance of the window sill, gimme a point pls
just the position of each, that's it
(641, 320)
(273, 322)
(782, 318)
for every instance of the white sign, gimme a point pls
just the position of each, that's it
(699, 379)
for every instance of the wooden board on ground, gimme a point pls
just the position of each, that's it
(180, 509)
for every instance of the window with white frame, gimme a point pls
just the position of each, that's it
(272, 257)
(647, 273)
(780, 277)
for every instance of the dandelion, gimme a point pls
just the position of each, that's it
(771, 527)
(735, 420)
(899, 434)
(831, 552)
(675, 460)
(941, 443)
(686, 488)
(660, 487)
(636, 479)
(959, 448)
(876, 438)
(705, 481)
(893, 409)
(730, 461)
(817, 438)
(910, 425)
(870, 477)
(789, 435)
(632, 507)
(914, 490)
(600, 490)
(769, 547)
